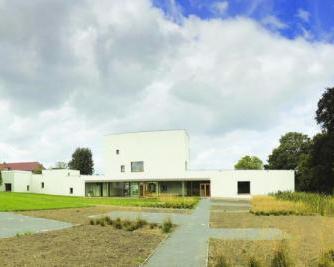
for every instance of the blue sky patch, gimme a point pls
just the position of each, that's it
(311, 19)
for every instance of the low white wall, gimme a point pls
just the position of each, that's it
(58, 182)
(262, 182)
(18, 179)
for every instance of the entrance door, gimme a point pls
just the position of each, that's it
(8, 187)
(141, 190)
(205, 189)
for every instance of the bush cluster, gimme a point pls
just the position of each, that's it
(128, 225)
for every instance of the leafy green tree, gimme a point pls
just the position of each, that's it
(293, 154)
(325, 111)
(249, 163)
(287, 155)
(38, 170)
(322, 163)
(82, 160)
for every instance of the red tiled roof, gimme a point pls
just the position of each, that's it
(21, 166)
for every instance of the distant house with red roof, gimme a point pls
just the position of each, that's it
(21, 166)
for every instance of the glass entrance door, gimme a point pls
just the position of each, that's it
(205, 189)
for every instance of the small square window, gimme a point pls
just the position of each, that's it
(42, 184)
(137, 166)
(117, 151)
(243, 188)
(71, 190)
(28, 187)
(122, 168)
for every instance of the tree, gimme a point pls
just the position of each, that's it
(325, 111)
(249, 163)
(82, 160)
(293, 154)
(60, 165)
(287, 155)
(38, 170)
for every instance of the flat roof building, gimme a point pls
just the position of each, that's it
(153, 164)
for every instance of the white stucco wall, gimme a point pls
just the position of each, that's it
(164, 153)
(262, 182)
(18, 179)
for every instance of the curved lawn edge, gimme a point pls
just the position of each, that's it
(10, 201)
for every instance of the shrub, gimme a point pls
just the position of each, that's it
(253, 262)
(327, 259)
(153, 225)
(167, 226)
(118, 223)
(221, 261)
(141, 222)
(281, 257)
(92, 222)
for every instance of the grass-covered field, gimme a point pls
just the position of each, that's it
(293, 203)
(23, 201)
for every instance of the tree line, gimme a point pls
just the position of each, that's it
(311, 158)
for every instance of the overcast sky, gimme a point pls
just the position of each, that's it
(74, 71)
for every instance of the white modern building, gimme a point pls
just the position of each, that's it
(150, 164)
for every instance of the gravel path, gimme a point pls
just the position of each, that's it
(12, 224)
(188, 244)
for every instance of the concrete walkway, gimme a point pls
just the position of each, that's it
(188, 244)
(12, 224)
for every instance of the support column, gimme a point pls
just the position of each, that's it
(183, 189)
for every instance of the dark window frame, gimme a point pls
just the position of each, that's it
(244, 187)
(28, 187)
(42, 185)
(117, 151)
(122, 168)
(71, 190)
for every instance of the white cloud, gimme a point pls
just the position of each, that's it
(220, 7)
(303, 15)
(273, 23)
(113, 66)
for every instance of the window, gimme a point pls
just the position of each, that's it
(28, 187)
(117, 151)
(42, 185)
(243, 188)
(71, 190)
(164, 188)
(8, 187)
(137, 166)
(122, 168)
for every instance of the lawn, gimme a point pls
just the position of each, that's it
(24, 201)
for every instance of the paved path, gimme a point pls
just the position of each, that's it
(12, 224)
(188, 244)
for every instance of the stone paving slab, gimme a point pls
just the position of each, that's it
(188, 244)
(12, 224)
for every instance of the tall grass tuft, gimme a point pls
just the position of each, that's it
(327, 259)
(221, 261)
(253, 262)
(167, 226)
(281, 257)
(316, 203)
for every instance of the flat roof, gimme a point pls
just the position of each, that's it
(150, 131)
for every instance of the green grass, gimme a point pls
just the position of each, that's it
(26, 201)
